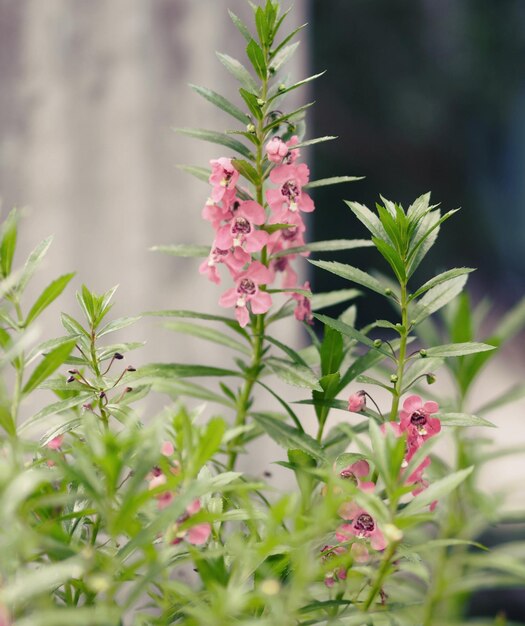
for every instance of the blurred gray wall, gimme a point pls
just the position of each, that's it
(89, 91)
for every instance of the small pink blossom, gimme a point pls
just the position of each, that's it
(303, 309)
(276, 150)
(240, 231)
(56, 442)
(233, 258)
(415, 418)
(363, 526)
(329, 553)
(198, 534)
(217, 213)
(223, 177)
(355, 474)
(167, 448)
(289, 197)
(357, 401)
(421, 485)
(247, 291)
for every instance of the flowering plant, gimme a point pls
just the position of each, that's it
(112, 515)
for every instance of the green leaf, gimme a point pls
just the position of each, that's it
(221, 102)
(437, 297)
(350, 331)
(252, 102)
(293, 115)
(326, 246)
(360, 365)
(218, 138)
(296, 85)
(72, 326)
(392, 257)
(288, 38)
(238, 70)
(334, 180)
(256, 56)
(155, 371)
(8, 239)
(293, 373)
(283, 56)
(368, 219)
(233, 324)
(48, 365)
(441, 278)
(430, 224)
(50, 293)
(330, 298)
(202, 173)
(73, 616)
(295, 356)
(183, 250)
(118, 324)
(32, 263)
(262, 26)
(458, 349)
(463, 419)
(419, 368)
(56, 407)
(247, 170)
(239, 24)
(351, 273)
(311, 142)
(287, 436)
(436, 491)
(176, 387)
(511, 324)
(331, 352)
(209, 334)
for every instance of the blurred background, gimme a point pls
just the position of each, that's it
(425, 95)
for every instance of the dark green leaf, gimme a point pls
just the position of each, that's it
(155, 371)
(458, 349)
(293, 373)
(256, 56)
(441, 278)
(351, 273)
(247, 170)
(287, 436)
(352, 332)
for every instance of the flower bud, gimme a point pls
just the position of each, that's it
(260, 102)
(357, 401)
(431, 378)
(250, 128)
(377, 343)
(393, 378)
(423, 352)
(392, 533)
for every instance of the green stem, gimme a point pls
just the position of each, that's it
(383, 571)
(19, 364)
(401, 359)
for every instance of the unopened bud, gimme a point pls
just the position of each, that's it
(250, 128)
(128, 389)
(260, 102)
(70, 379)
(377, 343)
(102, 394)
(392, 533)
(281, 87)
(431, 378)
(72, 371)
(130, 368)
(394, 378)
(388, 291)
(118, 356)
(423, 352)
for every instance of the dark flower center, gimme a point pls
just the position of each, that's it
(236, 205)
(418, 418)
(247, 286)
(289, 233)
(347, 474)
(280, 264)
(290, 190)
(364, 523)
(241, 226)
(217, 252)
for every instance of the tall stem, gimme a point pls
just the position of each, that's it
(398, 386)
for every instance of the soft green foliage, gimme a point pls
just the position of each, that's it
(113, 514)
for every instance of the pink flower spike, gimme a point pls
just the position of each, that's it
(363, 526)
(194, 507)
(240, 231)
(303, 310)
(415, 418)
(167, 448)
(55, 443)
(276, 150)
(357, 401)
(199, 534)
(289, 198)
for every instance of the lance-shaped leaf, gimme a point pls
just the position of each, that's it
(221, 102)
(351, 273)
(32, 263)
(8, 237)
(369, 220)
(56, 407)
(50, 293)
(352, 332)
(247, 170)
(240, 25)
(441, 278)
(48, 365)
(202, 173)
(332, 245)
(463, 419)
(237, 69)
(436, 491)
(437, 297)
(296, 85)
(257, 59)
(457, 349)
(287, 436)
(155, 371)
(334, 180)
(218, 138)
(293, 373)
(210, 334)
(311, 142)
(117, 324)
(282, 56)
(183, 250)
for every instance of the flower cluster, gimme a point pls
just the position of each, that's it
(251, 240)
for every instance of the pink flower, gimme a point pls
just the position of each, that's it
(247, 291)
(223, 177)
(303, 310)
(198, 534)
(355, 474)
(363, 526)
(289, 197)
(217, 213)
(56, 442)
(411, 447)
(421, 485)
(240, 231)
(167, 448)
(234, 259)
(329, 553)
(357, 401)
(415, 418)
(276, 150)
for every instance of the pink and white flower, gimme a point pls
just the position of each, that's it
(363, 526)
(198, 534)
(357, 401)
(247, 291)
(276, 150)
(289, 197)
(241, 231)
(303, 309)
(329, 553)
(234, 259)
(416, 420)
